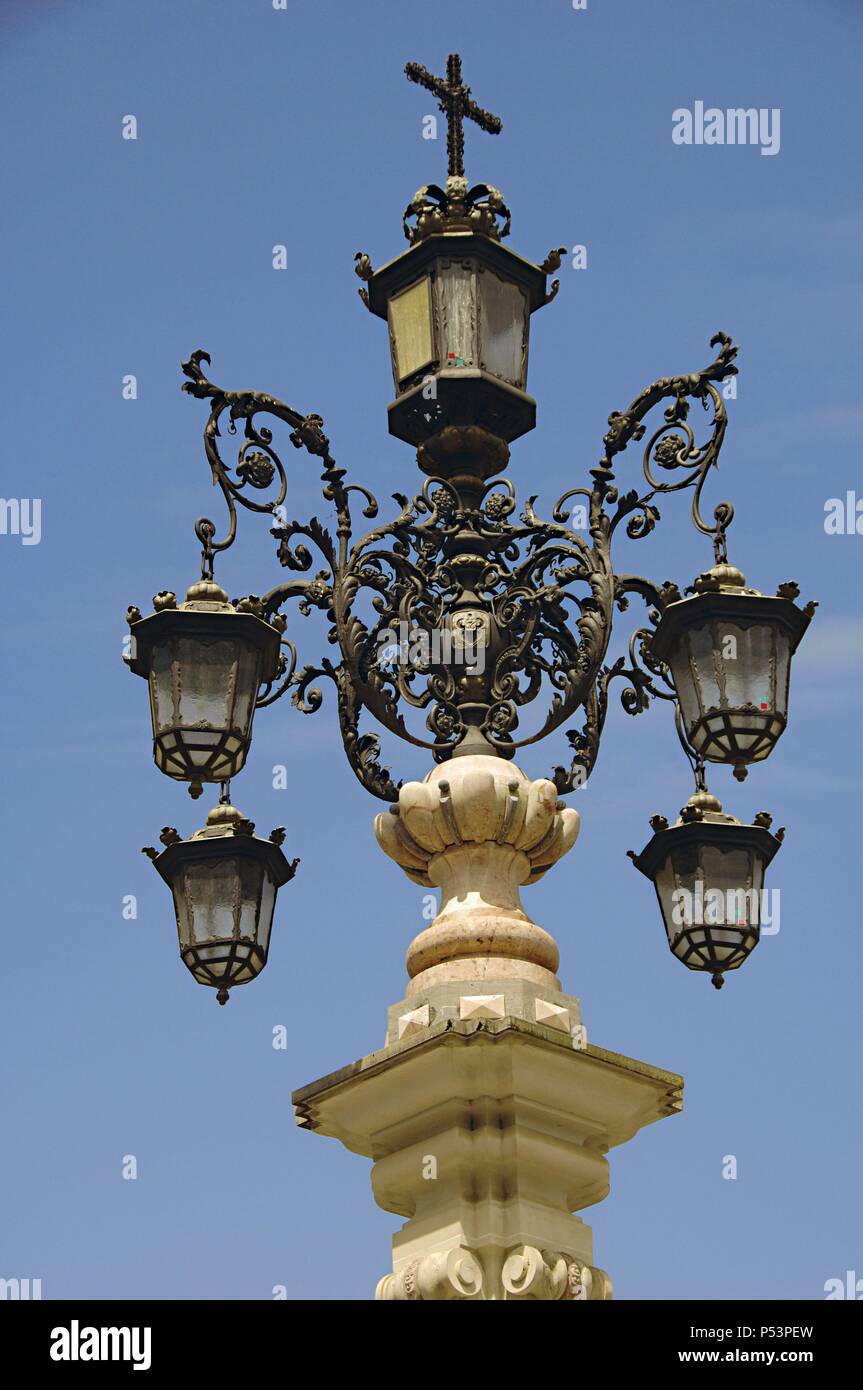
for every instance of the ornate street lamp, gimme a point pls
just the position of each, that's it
(204, 661)
(224, 881)
(708, 872)
(455, 561)
(445, 623)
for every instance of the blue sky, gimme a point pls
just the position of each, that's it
(259, 127)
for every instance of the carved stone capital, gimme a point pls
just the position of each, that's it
(531, 1273)
(526, 1273)
(442, 1276)
(584, 1284)
(546, 1274)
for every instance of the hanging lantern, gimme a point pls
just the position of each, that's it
(729, 652)
(224, 881)
(708, 872)
(204, 661)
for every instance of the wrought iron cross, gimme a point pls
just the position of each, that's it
(455, 102)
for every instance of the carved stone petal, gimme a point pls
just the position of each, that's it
(394, 841)
(539, 817)
(418, 808)
(568, 824)
(477, 806)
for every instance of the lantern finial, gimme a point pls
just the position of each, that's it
(457, 206)
(455, 101)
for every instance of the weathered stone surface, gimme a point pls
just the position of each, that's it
(487, 1135)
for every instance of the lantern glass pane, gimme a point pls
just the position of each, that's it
(181, 907)
(685, 863)
(201, 750)
(684, 683)
(681, 946)
(162, 686)
(748, 664)
(783, 665)
(212, 887)
(411, 329)
(251, 874)
(207, 676)
(215, 958)
(268, 903)
(456, 289)
(503, 314)
(666, 885)
(245, 965)
(743, 907)
(248, 681)
(725, 869)
(703, 664)
(724, 944)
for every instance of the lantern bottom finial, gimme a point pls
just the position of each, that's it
(223, 996)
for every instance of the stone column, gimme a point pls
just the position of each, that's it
(487, 1113)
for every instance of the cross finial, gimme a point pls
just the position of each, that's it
(455, 102)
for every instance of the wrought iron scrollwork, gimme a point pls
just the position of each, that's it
(408, 601)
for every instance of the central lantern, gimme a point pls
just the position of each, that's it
(458, 306)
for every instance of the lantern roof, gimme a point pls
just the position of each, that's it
(458, 243)
(227, 833)
(722, 593)
(206, 612)
(703, 821)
